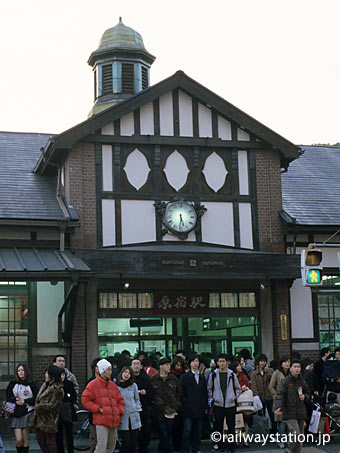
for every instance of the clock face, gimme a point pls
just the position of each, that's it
(180, 217)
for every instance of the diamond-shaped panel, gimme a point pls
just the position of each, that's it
(137, 169)
(215, 172)
(176, 170)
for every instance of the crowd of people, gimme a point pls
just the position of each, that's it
(182, 400)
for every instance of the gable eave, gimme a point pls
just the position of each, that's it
(179, 80)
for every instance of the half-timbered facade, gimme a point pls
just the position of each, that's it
(125, 180)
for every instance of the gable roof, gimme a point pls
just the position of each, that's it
(311, 188)
(23, 193)
(181, 81)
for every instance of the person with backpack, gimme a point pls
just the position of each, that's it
(224, 389)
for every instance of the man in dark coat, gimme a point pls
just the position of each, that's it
(292, 394)
(194, 403)
(146, 394)
(318, 370)
(165, 404)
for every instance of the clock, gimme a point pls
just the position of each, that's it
(180, 217)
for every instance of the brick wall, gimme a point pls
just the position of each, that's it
(280, 301)
(80, 190)
(269, 200)
(39, 365)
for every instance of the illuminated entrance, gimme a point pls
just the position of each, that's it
(157, 322)
(128, 321)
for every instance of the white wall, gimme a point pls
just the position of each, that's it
(301, 310)
(166, 116)
(146, 119)
(185, 115)
(243, 177)
(204, 121)
(107, 171)
(218, 223)
(138, 221)
(50, 299)
(108, 222)
(246, 228)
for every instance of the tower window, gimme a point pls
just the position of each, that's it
(107, 79)
(128, 82)
(144, 78)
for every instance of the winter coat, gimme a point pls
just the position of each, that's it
(287, 398)
(143, 383)
(243, 380)
(260, 384)
(249, 368)
(331, 374)
(167, 395)
(71, 377)
(26, 390)
(194, 397)
(46, 410)
(132, 406)
(67, 413)
(101, 394)
(215, 392)
(318, 370)
(277, 377)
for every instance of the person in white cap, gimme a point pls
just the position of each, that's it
(102, 397)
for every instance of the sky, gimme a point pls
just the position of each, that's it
(277, 60)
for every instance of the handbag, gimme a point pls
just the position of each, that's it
(245, 402)
(314, 422)
(257, 403)
(8, 409)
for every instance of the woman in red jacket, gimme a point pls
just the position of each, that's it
(243, 380)
(102, 397)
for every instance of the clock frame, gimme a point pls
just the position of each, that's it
(179, 217)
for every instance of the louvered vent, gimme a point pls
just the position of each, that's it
(107, 79)
(128, 84)
(144, 78)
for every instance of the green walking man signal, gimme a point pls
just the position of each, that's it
(311, 266)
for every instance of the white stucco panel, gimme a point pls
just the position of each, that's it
(185, 115)
(108, 222)
(243, 177)
(301, 310)
(166, 115)
(242, 135)
(218, 223)
(246, 228)
(204, 121)
(137, 169)
(127, 125)
(176, 170)
(107, 167)
(224, 128)
(146, 119)
(138, 221)
(108, 129)
(215, 172)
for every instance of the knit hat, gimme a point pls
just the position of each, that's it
(103, 365)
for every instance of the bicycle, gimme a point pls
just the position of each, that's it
(81, 431)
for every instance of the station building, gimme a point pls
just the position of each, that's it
(165, 220)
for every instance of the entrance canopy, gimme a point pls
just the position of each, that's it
(154, 261)
(39, 263)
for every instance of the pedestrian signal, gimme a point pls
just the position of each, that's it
(311, 267)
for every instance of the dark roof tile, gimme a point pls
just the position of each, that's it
(24, 194)
(311, 187)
